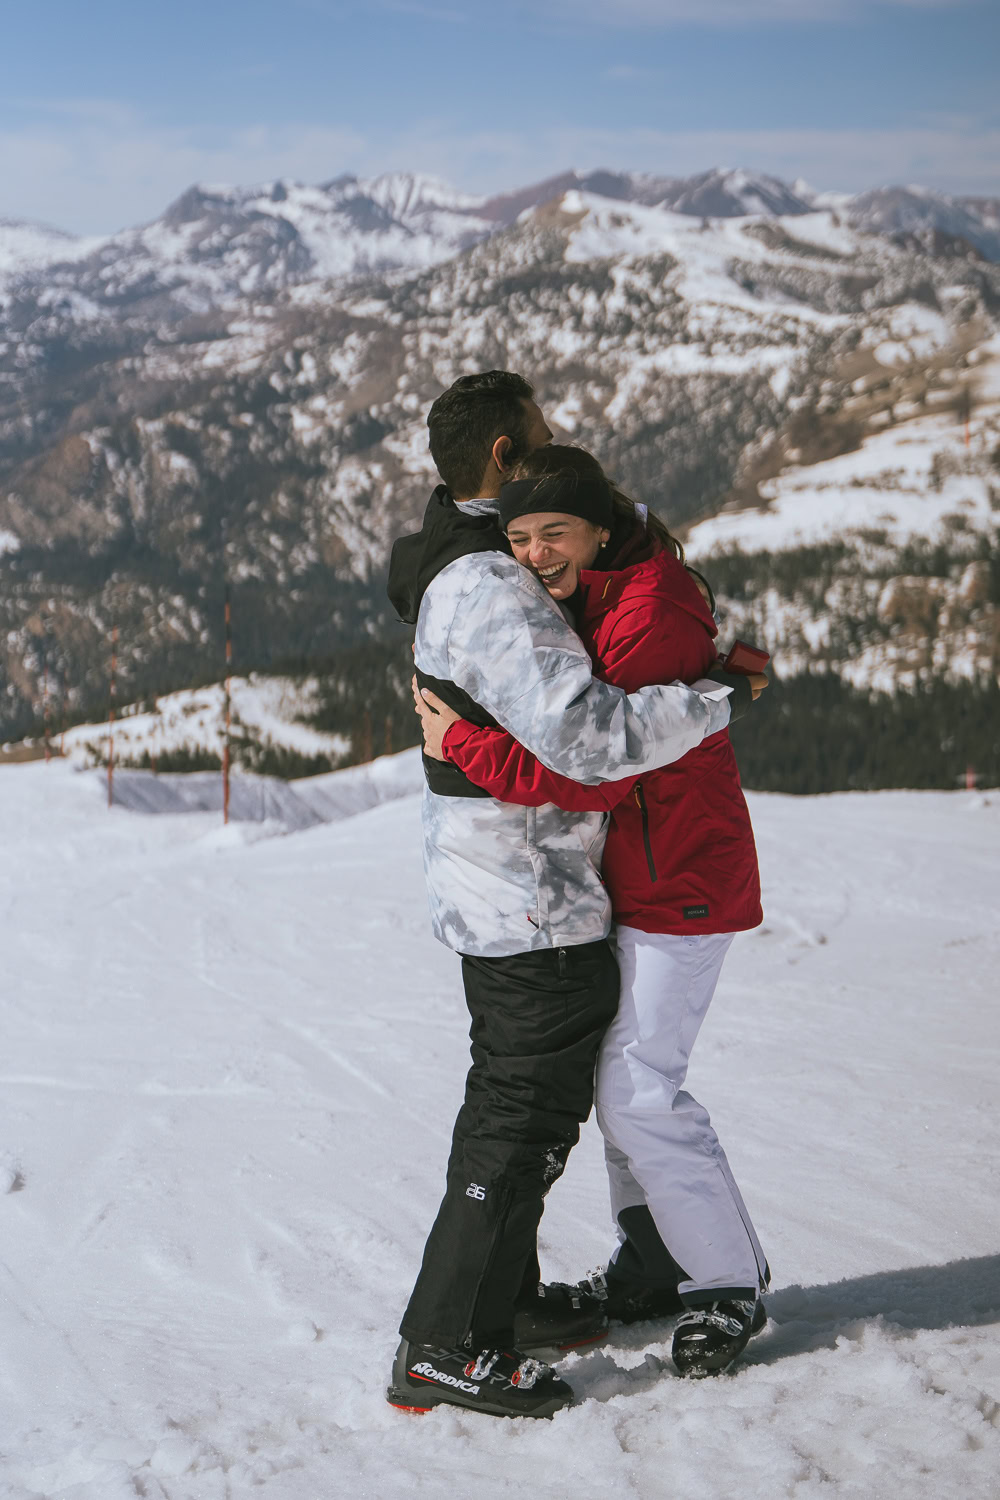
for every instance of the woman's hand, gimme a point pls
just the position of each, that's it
(436, 718)
(758, 680)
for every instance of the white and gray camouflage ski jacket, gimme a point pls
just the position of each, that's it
(504, 879)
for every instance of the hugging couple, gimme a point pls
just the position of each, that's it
(578, 774)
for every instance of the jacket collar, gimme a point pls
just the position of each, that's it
(449, 531)
(662, 576)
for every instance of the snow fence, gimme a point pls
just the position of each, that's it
(295, 805)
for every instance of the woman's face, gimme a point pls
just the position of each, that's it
(556, 548)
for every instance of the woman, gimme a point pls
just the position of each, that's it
(681, 870)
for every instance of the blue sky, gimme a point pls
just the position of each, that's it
(110, 109)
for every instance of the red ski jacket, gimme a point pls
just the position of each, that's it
(680, 855)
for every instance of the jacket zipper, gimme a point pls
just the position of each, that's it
(640, 800)
(498, 1229)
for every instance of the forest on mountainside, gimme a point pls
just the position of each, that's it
(817, 733)
(807, 734)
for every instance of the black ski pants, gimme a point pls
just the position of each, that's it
(537, 1022)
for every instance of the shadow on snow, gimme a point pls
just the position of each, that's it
(962, 1293)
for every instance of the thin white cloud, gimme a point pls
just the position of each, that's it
(93, 179)
(549, 16)
(734, 12)
(345, 11)
(630, 73)
(960, 156)
(428, 12)
(111, 112)
(92, 176)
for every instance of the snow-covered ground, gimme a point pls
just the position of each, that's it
(229, 1071)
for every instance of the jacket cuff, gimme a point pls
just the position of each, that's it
(741, 695)
(456, 735)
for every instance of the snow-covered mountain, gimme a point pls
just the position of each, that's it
(889, 553)
(208, 395)
(217, 245)
(718, 193)
(214, 246)
(25, 245)
(985, 209)
(730, 194)
(421, 203)
(932, 220)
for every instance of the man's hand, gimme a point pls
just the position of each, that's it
(436, 718)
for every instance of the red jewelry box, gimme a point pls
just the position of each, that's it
(747, 659)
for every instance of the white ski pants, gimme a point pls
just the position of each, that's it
(660, 1147)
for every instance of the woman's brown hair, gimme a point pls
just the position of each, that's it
(567, 462)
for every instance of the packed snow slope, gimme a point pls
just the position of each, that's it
(229, 1072)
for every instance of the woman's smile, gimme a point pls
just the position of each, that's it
(556, 547)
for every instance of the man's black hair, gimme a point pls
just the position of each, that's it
(466, 420)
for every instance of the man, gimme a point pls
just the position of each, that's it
(517, 892)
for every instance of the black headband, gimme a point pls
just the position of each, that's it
(588, 498)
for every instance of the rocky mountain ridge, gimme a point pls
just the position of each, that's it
(215, 245)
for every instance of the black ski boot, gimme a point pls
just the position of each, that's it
(623, 1301)
(707, 1340)
(560, 1317)
(500, 1383)
(634, 1302)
